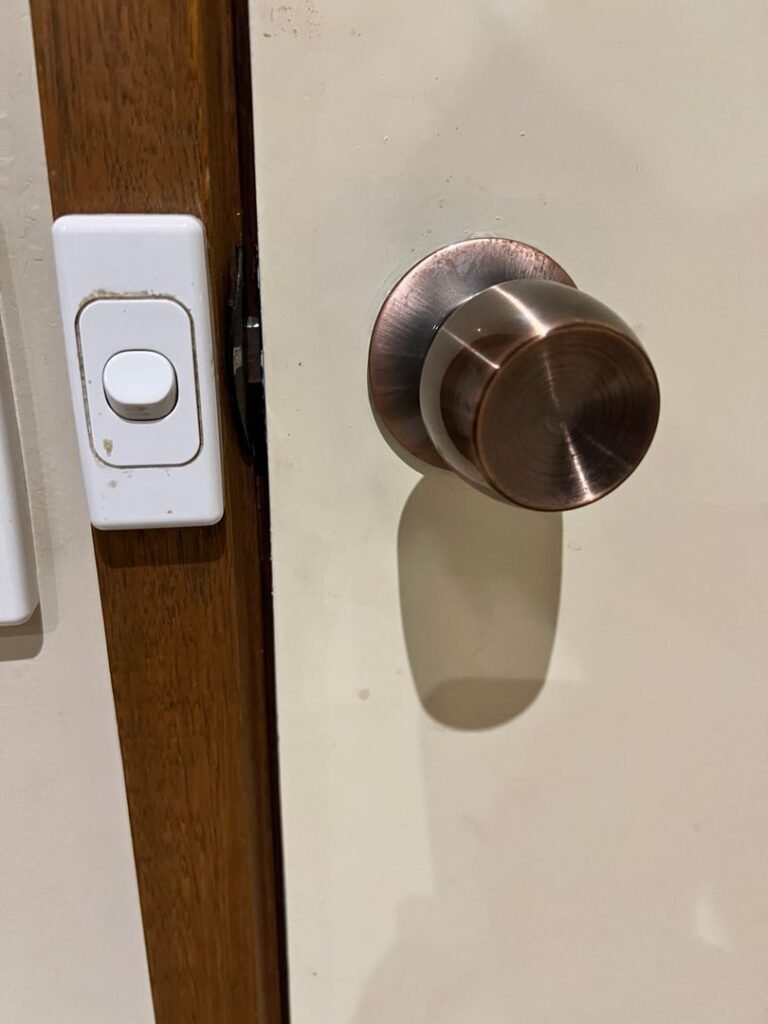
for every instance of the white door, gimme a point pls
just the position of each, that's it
(524, 755)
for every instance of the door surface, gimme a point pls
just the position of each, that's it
(524, 756)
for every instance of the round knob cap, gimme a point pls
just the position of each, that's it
(529, 389)
(140, 385)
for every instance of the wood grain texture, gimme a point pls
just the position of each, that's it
(139, 115)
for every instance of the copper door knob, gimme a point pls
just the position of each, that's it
(487, 360)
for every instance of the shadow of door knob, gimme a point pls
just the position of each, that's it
(487, 360)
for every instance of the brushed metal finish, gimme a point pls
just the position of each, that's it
(415, 308)
(527, 388)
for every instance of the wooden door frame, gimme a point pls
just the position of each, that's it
(146, 109)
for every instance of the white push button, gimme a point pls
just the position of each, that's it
(140, 385)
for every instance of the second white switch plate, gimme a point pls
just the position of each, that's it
(18, 586)
(140, 282)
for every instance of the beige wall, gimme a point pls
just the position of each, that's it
(71, 945)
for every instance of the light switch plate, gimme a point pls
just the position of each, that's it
(18, 585)
(140, 281)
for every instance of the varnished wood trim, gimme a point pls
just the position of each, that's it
(139, 114)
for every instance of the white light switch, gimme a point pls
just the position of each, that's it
(140, 385)
(137, 324)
